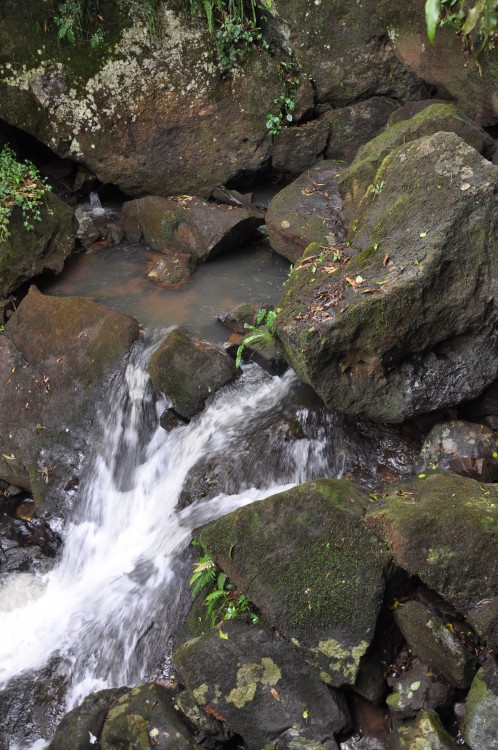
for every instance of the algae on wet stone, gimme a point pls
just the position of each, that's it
(306, 561)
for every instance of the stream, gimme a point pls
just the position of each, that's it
(105, 615)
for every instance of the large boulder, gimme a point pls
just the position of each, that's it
(355, 125)
(188, 370)
(443, 528)
(25, 254)
(408, 324)
(480, 729)
(360, 178)
(463, 447)
(57, 359)
(305, 559)
(148, 109)
(81, 724)
(255, 681)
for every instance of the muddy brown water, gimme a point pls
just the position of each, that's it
(117, 276)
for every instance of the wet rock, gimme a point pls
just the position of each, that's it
(209, 732)
(57, 359)
(145, 717)
(188, 370)
(355, 125)
(187, 225)
(238, 316)
(426, 732)
(173, 269)
(296, 557)
(94, 226)
(26, 254)
(372, 723)
(26, 545)
(79, 726)
(480, 729)
(437, 117)
(263, 353)
(300, 147)
(407, 324)
(418, 688)
(260, 686)
(463, 447)
(443, 528)
(308, 210)
(169, 420)
(485, 405)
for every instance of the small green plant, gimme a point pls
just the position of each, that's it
(234, 40)
(261, 332)
(472, 23)
(84, 19)
(223, 602)
(376, 188)
(20, 185)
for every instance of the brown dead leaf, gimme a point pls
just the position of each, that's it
(386, 260)
(275, 694)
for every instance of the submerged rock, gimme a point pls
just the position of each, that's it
(58, 356)
(188, 370)
(408, 324)
(260, 686)
(26, 254)
(306, 560)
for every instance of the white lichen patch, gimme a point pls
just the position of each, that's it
(137, 68)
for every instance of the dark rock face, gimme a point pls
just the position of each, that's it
(57, 357)
(355, 125)
(463, 447)
(188, 370)
(426, 732)
(26, 254)
(295, 555)
(444, 529)
(408, 324)
(308, 210)
(264, 688)
(418, 689)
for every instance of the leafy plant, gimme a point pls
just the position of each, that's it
(20, 185)
(84, 19)
(223, 602)
(235, 39)
(261, 332)
(478, 21)
(290, 80)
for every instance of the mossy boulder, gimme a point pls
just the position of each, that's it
(308, 210)
(426, 733)
(443, 528)
(435, 118)
(435, 643)
(25, 254)
(407, 324)
(188, 370)
(257, 683)
(480, 728)
(187, 225)
(85, 721)
(145, 717)
(306, 560)
(58, 357)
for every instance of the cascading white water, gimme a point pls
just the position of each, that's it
(115, 588)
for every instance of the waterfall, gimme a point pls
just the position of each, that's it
(95, 204)
(106, 610)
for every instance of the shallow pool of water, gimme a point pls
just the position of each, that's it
(117, 276)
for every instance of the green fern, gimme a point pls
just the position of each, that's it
(204, 573)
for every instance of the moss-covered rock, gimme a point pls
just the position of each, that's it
(426, 733)
(408, 324)
(480, 728)
(435, 643)
(25, 254)
(189, 370)
(305, 559)
(308, 210)
(443, 528)
(57, 359)
(78, 726)
(355, 181)
(145, 717)
(248, 677)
